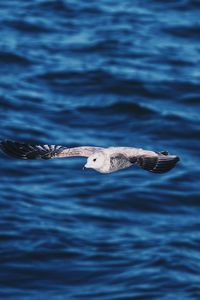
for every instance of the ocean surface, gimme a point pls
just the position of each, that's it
(103, 73)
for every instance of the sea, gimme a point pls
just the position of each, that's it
(100, 73)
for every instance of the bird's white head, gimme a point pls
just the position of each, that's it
(95, 161)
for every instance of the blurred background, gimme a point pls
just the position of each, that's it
(104, 73)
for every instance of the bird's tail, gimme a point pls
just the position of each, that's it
(161, 163)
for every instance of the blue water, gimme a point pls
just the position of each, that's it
(104, 73)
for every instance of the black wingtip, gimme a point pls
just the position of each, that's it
(28, 151)
(165, 163)
(13, 149)
(158, 164)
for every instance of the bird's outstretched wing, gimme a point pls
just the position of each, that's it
(156, 162)
(31, 151)
(160, 163)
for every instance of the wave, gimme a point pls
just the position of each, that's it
(191, 32)
(14, 58)
(95, 81)
(120, 107)
(30, 26)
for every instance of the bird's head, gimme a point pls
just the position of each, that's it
(95, 161)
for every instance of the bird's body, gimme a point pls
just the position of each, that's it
(117, 158)
(103, 160)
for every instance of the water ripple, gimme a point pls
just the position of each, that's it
(105, 74)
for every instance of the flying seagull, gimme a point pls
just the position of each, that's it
(103, 160)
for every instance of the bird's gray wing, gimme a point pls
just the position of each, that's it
(156, 162)
(31, 151)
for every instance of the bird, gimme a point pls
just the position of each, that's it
(103, 160)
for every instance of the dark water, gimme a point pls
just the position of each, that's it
(106, 73)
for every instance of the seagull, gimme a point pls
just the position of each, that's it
(103, 160)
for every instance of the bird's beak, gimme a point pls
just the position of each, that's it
(85, 166)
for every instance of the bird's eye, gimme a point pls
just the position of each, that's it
(94, 159)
